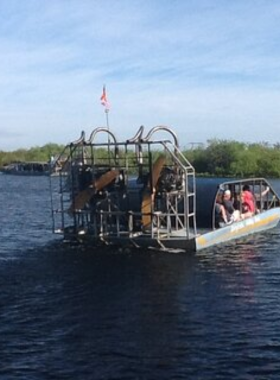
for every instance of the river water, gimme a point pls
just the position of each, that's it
(69, 313)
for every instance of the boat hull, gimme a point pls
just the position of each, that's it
(257, 223)
(179, 240)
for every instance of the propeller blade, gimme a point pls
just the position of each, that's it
(105, 179)
(149, 193)
(85, 196)
(81, 199)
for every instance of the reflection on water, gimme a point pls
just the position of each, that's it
(68, 312)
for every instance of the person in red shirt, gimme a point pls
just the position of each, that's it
(248, 202)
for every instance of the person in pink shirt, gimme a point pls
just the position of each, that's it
(248, 202)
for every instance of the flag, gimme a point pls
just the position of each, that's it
(104, 100)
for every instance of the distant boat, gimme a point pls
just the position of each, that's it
(32, 168)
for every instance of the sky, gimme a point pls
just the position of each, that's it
(208, 69)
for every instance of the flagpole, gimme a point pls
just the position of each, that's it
(108, 127)
(107, 119)
(105, 103)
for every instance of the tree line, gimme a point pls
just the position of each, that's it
(226, 158)
(220, 158)
(43, 154)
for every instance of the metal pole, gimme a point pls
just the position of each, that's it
(108, 127)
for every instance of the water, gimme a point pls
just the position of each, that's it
(69, 313)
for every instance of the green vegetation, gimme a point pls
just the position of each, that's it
(224, 158)
(221, 158)
(43, 153)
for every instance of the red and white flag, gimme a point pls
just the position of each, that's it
(104, 100)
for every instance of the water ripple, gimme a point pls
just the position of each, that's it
(68, 312)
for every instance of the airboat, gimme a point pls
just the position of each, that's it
(28, 168)
(143, 192)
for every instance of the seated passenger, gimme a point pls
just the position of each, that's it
(236, 201)
(262, 200)
(266, 191)
(248, 203)
(220, 213)
(248, 198)
(232, 214)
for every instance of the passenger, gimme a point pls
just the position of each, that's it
(220, 213)
(245, 212)
(248, 203)
(233, 215)
(248, 198)
(236, 201)
(262, 199)
(267, 190)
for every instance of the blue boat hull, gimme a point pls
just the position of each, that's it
(257, 223)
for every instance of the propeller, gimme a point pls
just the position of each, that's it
(84, 196)
(149, 192)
